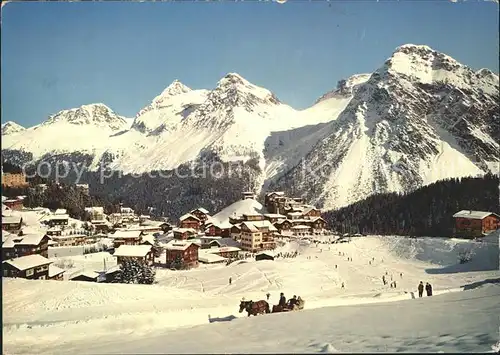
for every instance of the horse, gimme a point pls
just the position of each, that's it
(255, 308)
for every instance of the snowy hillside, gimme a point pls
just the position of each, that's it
(420, 118)
(65, 317)
(11, 127)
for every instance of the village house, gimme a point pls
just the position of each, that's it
(32, 244)
(126, 237)
(189, 221)
(301, 230)
(264, 255)
(14, 180)
(54, 231)
(236, 219)
(94, 213)
(206, 240)
(69, 240)
(252, 217)
(283, 225)
(58, 220)
(56, 273)
(209, 258)
(274, 217)
(317, 224)
(86, 276)
(101, 225)
(12, 223)
(471, 224)
(257, 236)
(32, 267)
(184, 233)
(294, 215)
(60, 211)
(14, 204)
(225, 252)
(311, 212)
(141, 253)
(181, 254)
(201, 213)
(235, 231)
(269, 200)
(222, 229)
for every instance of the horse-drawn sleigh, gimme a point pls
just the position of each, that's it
(262, 307)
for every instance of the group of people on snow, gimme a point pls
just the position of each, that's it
(428, 289)
(292, 302)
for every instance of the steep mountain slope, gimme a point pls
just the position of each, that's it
(421, 117)
(10, 127)
(167, 110)
(81, 130)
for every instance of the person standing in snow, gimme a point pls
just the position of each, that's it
(428, 289)
(420, 289)
(268, 295)
(383, 279)
(394, 284)
(401, 274)
(230, 280)
(282, 301)
(343, 286)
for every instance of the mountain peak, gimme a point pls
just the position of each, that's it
(11, 127)
(95, 114)
(176, 88)
(233, 78)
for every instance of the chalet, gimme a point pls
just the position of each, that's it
(265, 255)
(209, 258)
(470, 223)
(12, 223)
(274, 217)
(311, 212)
(252, 217)
(54, 231)
(189, 221)
(126, 237)
(257, 236)
(225, 252)
(101, 225)
(223, 230)
(182, 254)
(206, 240)
(14, 204)
(148, 239)
(269, 199)
(301, 230)
(33, 267)
(184, 233)
(142, 253)
(70, 240)
(283, 225)
(317, 224)
(294, 215)
(201, 213)
(56, 273)
(235, 231)
(32, 244)
(87, 276)
(8, 246)
(58, 220)
(223, 242)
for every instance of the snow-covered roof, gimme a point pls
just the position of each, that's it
(274, 215)
(54, 229)
(28, 262)
(94, 209)
(184, 230)
(210, 258)
(126, 234)
(280, 193)
(201, 209)
(250, 226)
(61, 211)
(69, 237)
(264, 224)
(11, 220)
(86, 273)
(221, 250)
(54, 270)
(188, 215)
(248, 206)
(266, 252)
(295, 213)
(210, 238)
(31, 239)
(179, 245)
(59, 216)
(473, 214)
(148, 238)
(113, 269)
(133, 250)
(126, 210)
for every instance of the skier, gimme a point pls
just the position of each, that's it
(230, 280)
(394, 284)
(268, 295)
(401, 274)
(335, 266)
(428, 289)
(370, 262)
(343, 285)
(383, 279)
(420, 289)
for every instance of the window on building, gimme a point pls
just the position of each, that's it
(29, 272)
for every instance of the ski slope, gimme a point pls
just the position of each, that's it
(66, 316)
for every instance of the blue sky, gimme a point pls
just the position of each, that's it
(58, 55)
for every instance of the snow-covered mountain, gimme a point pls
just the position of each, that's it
(421, 117)
(78, 130)
(11, 127)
